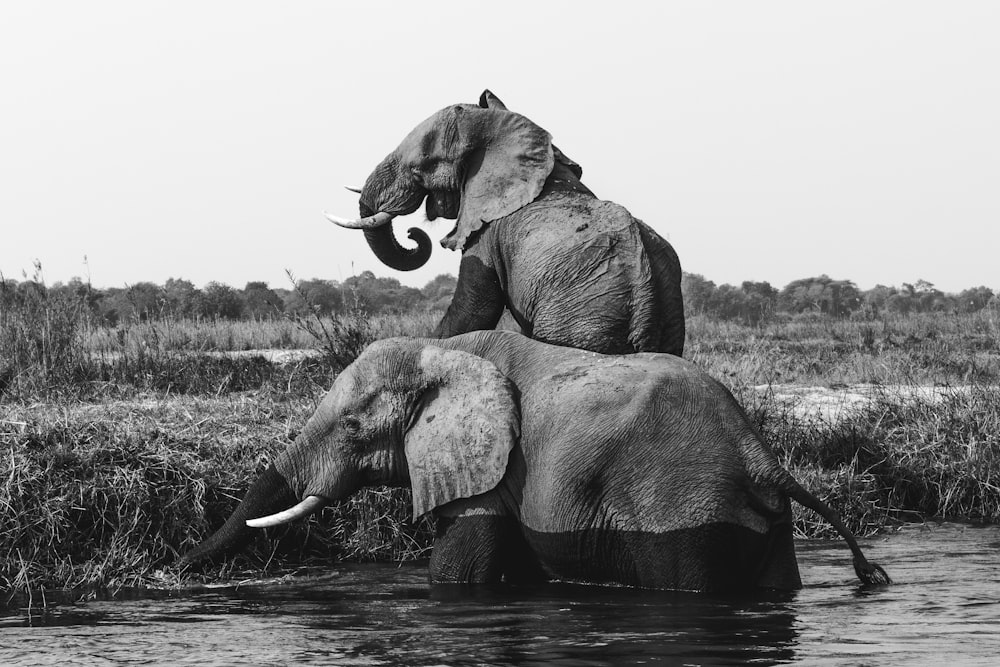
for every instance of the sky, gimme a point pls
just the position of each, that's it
(767, 141)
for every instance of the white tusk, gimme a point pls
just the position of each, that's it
(353, 188)
(304, 508)
(371, 222)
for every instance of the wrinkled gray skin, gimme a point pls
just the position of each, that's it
(544, 462)
(571, 269)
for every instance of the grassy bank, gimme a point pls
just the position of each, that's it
(105, 494)
(120, 450)
(50, 348)
(920, 349)
(900, 457)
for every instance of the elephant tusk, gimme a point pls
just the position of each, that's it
(371, 222)
(304, 508)
(353, 188)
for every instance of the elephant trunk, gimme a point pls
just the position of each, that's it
(268, 494)
(383, 243)
(387, 191)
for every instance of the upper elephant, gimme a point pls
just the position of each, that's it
(571, 269)
(549, 462)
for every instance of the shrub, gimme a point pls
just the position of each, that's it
(40, 333)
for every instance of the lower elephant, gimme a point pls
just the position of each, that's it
(545, 462)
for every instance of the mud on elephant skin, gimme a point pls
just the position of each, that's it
(570, 268)
(544, 462)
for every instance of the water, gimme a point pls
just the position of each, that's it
(944, 606)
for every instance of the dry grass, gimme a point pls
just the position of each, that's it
(813, 349)
(120, 448)
(51, 348)
(105, 495)
(903, 456)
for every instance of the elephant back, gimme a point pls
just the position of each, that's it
(585, 273)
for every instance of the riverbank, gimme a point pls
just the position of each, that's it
(108, 493)
(114, 459)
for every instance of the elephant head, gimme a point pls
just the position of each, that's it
(440, 421)
(474, 164)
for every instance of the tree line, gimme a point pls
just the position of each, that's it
(756, 302)
(180, 298)
(750, 302)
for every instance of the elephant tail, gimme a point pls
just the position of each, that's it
(765, 469)
(868, 573)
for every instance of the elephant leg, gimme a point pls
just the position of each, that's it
(478, 302)
(482, 549)
(780, 570)
(467, 550)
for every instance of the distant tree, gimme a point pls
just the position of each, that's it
(919, 297)
(283, 295)
(875, 299)
(973, 299)
(221, 300)
(902, 302)
(376, 295)
(439, 291)
(822, 294)
(698, 293)
(938, 302)
(751, 302)
(147, 300)
(115, 307)
(261, 301)
(182, 298)
(727, 302)
(927, 297)
(81, 294)
(759, 302)
(320, 296)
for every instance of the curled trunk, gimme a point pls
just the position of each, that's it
(386, 191)
(383, 243)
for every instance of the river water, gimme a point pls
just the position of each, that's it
(944, 607)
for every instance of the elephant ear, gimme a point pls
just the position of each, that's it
(459, 440)
(572, 165)
(490, 101)
(505, 171)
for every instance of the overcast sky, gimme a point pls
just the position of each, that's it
(765, 140)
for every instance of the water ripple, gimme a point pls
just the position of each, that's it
(945, 607)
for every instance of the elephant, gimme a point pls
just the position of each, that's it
(542, 462)
(570, 268)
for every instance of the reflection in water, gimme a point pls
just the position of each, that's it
(944, 606)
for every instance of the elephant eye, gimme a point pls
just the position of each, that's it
(350, 424)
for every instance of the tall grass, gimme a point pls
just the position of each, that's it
(40, 339)
(903, 456)
(938, 348)
(294, 332)
(51, 348)
(107, 495)
(121, 447)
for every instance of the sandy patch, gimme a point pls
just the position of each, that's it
(276, 356)
(835, 403)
